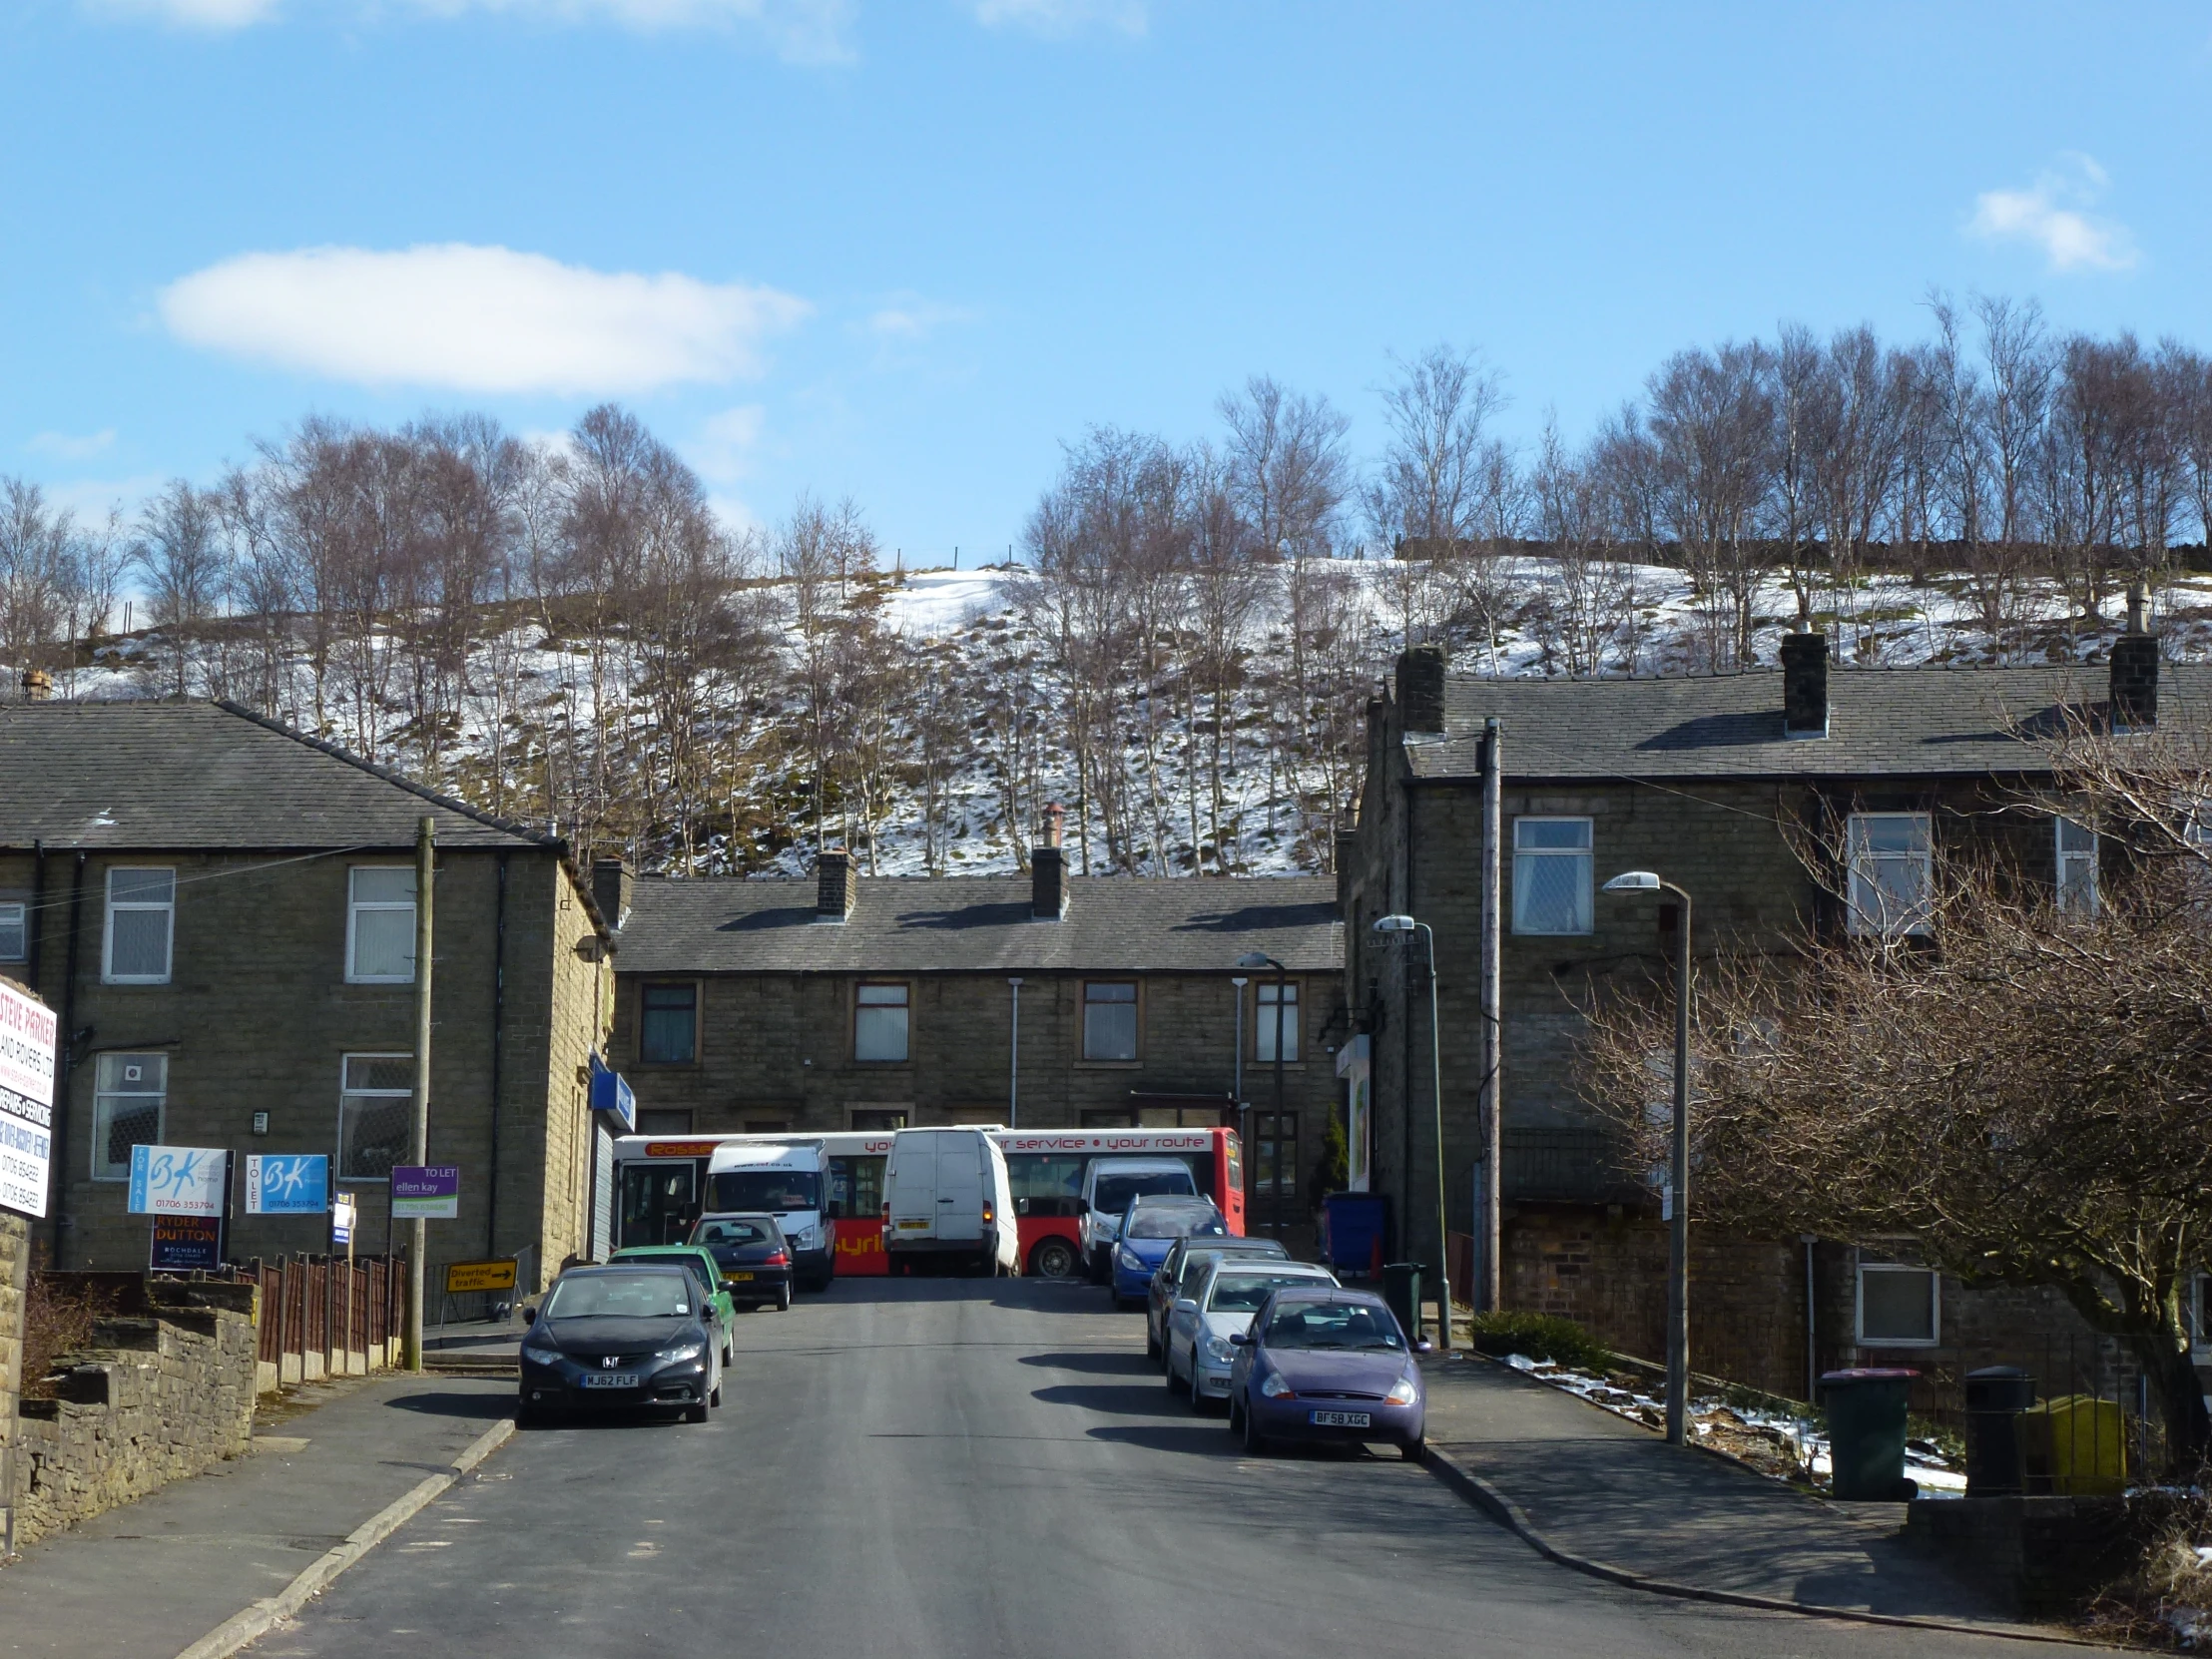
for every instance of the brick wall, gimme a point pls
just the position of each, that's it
(157, 1398)
(15, 1263)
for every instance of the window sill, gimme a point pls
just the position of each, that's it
(1109, 1065)
(1887, 1345)
(353, 979)
(105, 980)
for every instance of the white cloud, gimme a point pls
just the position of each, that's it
(485, 319)
(2053, 215)
(908, 317)
(724, 451)
(70, 446)
(803, 31)
(1062, 17)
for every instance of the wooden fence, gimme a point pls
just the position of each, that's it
(321, 1316)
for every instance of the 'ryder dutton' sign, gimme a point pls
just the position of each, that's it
(27, 1030)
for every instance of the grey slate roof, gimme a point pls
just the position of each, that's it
(1881, 721)
(182, 776)
(981, 923)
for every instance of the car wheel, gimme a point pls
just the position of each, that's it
(714, 1398)
(696, 1414)
(528, 1415)
(728, 1355)
(1413, 1450)
(1236, 1417)
(1152, 1348)
(1053, 1258)
(784, 1299)
(1254, 1442)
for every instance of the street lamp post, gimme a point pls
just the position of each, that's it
(1406, 925)
(1678, 1234)
(1257, 960)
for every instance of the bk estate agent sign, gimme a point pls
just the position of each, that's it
(186, 1190)
(26, 1034)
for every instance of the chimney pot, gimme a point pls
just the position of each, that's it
(833, 884)
(1805, 685)
(1420, 687)
(1054, 815)
(38, 685)
(611, 880)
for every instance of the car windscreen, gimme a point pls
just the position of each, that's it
(1177, 1223)
(763, 1189)
(730, 1233)
(1113, 1192)
(1357, 1324)
(636, 1295)
(1242, 1293)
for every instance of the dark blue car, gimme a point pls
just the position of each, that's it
(1149, 1229)
(1327, 1365)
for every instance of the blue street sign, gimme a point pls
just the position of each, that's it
(611, 1094)
(291, 1185)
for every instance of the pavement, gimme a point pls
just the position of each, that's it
(959, 1467)
(147, 1580)
(1611, 1493)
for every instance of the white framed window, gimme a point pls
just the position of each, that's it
(141, 920)
(880, 1023)
(379, 924)
(1262, 1021)
(1109, 1019)
(1892, 873)
(128, 1097)
(2076, 848)
(1899, 1305)
(15, 931)
(375, 1114)
(1551, 875)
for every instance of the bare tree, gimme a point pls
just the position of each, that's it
(179, 558)
(1712, 425)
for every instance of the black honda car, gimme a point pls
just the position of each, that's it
(626, 1334)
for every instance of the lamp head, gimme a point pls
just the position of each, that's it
(1253, 960)
(1395, 924)
(1633, 880)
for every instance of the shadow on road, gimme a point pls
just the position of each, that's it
(1132, 1400)
(1098, 1362)
(1195, 1439)
(487, 1406)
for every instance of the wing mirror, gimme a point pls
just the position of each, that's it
(1183, 1301)
(530, 1314)
(1424, 1345)
(1240, 1339)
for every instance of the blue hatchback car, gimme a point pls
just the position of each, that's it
(1325, 1363)
(1149, 1229)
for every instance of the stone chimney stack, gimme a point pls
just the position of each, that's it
(610, 889)
(1805, 685)
(835, 884)
(1049, 870)
(38, 685)
(2134, 690)
(1420, 687)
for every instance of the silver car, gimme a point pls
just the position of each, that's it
(1198, 1353)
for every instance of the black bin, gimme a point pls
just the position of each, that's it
(1996, 1397)
(1866, 1434)
(1401, 1290)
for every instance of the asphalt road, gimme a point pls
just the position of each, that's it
(942, 1467)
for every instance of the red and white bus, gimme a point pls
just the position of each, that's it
(661, 1183)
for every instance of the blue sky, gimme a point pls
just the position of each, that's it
(903, 251)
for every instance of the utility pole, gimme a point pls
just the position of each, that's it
(1013, 1060)
(419, 1140)
(1492, 1294)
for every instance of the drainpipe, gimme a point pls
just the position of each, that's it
(67, 1063)
(1811, 1349)
(498, 1053)
(38, 912)
(1406, 1024)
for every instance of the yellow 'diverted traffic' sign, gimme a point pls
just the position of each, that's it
(463, 1277)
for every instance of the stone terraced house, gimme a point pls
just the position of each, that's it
(222, 910)
(1694, 778)
(848, 1003)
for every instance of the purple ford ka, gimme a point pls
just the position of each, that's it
(1325, 1363)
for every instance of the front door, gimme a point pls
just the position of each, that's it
(1274, 1201)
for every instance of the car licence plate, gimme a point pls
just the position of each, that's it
(913, 1226)
(1338, 1419)
(737, 1278)
(610, 1380)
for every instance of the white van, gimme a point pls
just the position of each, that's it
(785, 1181)
(1108, 1186)
(947, 1197)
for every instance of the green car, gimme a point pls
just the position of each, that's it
(701, 1262)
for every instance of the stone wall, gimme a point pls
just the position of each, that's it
(159, 1397)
